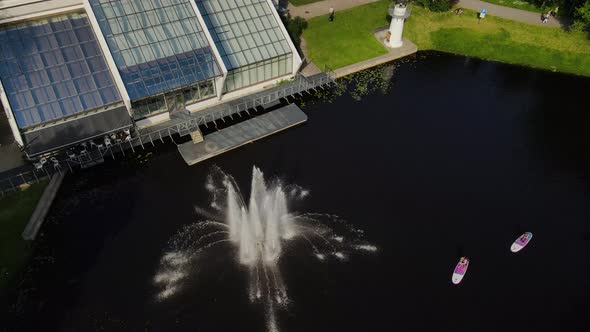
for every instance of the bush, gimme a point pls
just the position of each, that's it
(578, 26)
(437, 5)
(295, 27)
(583, 14)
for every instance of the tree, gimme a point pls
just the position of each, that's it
(583, 14)
(571, 6)
(437, 5)
(579, 11)
(295, 27)
(545, 3)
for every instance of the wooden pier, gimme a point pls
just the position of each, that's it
(242, 133)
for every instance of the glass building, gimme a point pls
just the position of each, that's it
(52, 69)
(160, 50)
(72, 70)
(249, 39)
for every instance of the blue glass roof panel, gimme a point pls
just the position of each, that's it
(53, 68)
(157, 45)
(231, 22)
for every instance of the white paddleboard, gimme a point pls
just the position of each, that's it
(460, 270)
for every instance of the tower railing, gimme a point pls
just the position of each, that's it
(391, 10)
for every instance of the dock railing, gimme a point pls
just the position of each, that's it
(30, 174)
(330, 72)
(185, 122)
(181, 124)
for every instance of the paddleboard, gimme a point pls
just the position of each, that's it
(460, 270)
(521, 242)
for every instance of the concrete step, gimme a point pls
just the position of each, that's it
(197, 136)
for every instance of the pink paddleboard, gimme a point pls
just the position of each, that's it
(460, 270)
(521, 242)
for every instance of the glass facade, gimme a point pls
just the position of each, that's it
(248, 36)
(157, 45)
(258, 72)
(53, 68)
(174, 100)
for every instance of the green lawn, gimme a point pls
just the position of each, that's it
(501, 40)
(349, 39)
(15, 211)
(520, 4)
(302, 2)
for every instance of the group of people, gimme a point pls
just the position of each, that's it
(524, 238)
(107, 141)
(459, 11)
(463, 261)
(550, 13)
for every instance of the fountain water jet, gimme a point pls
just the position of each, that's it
(257, 230)
(260, 230)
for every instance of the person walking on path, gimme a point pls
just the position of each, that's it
(508, 13)
(481, 15)
(331, 14)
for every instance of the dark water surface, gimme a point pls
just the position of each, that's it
(459, 158)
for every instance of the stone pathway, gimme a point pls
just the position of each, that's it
(322, 7)
(308, 68)
(509, 13)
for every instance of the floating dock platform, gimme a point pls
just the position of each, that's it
(242, 133)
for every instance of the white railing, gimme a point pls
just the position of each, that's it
(68, 163)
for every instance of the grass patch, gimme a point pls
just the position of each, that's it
(15, 211)
(520, 4)
(302, 2)
(349, 38)
(460, 40)
(501, 40)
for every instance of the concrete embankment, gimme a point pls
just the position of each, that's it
(42, 208)
(407, 48)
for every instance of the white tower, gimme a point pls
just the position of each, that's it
(398, 15)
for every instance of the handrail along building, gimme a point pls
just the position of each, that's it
(74, 70)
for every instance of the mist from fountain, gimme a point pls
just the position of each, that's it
(259, 229)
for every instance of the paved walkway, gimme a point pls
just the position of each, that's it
(308, 68)
(323, 7)
(42, 207)
(509, 13)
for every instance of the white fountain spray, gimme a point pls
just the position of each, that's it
(256, 230)
(259, 231)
